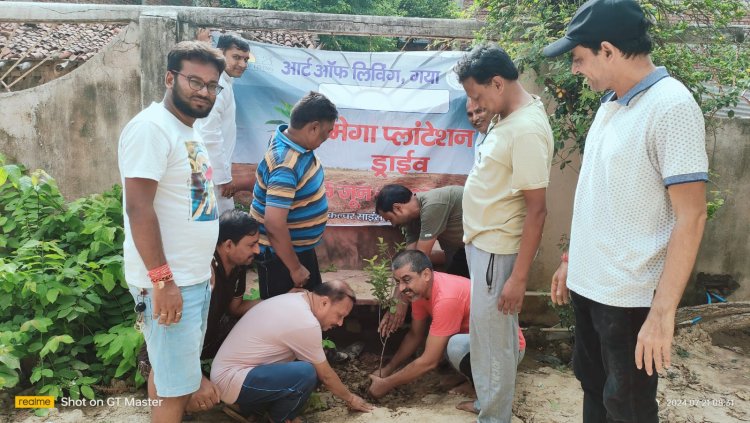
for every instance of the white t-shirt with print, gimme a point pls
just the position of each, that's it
(156, 145)
(622, 214)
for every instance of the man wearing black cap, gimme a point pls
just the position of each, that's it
(638, 215)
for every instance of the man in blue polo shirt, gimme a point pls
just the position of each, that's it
(290, 199)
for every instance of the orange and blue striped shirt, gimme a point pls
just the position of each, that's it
(290, 177)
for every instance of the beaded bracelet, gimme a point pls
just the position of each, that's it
(564, 257)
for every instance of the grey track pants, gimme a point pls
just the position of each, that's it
(493, 336)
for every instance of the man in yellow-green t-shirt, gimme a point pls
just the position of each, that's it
(504, 209)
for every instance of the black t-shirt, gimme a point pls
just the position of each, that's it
(220, 322)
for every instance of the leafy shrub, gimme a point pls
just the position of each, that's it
(66, 317)
(695, 39)
(383, 285)
(381, 279)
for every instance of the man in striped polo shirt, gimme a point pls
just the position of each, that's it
(290, 199)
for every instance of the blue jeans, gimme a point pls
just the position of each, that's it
(614, 390)
(280, 389)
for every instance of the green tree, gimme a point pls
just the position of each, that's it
(416, 8)
(694, 39)
(430, 9)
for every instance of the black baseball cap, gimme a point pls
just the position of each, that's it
(601, 20)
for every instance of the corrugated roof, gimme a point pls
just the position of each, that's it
(282, 38)
(60, 44)
(60, 41)
(741, 110)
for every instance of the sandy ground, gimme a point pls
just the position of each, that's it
(706, 383)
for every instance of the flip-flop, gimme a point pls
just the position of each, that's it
(354, 350)
(144, 365)
(334, 356)
(236, 416)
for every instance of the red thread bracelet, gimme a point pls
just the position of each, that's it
(160, 274)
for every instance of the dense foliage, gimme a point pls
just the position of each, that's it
(66, 317)
(415, 8)
(694, 39)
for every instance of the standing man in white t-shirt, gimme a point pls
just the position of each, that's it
(638, 214)
(171, 224)
(504, 207)
(218, 129)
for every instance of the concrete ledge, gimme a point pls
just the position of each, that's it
(327, 23)
(245, 19)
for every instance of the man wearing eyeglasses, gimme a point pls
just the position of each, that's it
(171, 226)
(219, 130)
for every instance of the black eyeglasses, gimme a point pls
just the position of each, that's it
(196, 84)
